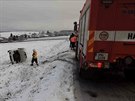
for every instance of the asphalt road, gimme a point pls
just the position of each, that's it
(109, 87)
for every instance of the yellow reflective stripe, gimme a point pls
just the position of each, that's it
(91, 50)
(91, 41)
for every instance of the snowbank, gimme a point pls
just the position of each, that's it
(52, 80)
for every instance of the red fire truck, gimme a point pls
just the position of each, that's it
(106, 36)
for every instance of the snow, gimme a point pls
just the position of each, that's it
(52, 80)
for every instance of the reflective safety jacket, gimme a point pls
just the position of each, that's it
(73, 39)
(34, 54)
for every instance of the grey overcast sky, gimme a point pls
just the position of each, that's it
(53, 15)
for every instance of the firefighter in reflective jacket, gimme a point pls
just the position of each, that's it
(34, 57)
(73, 41)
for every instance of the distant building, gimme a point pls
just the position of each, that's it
(3, 40)
(65, 32)
(35, 35)
(42, 34)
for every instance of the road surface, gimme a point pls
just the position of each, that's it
(109, 87)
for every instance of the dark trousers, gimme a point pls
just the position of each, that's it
(34, 60)
(72, 45)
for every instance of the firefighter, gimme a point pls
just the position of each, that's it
(72, 35)
(34, 57)
(75, 26)
(73, 42)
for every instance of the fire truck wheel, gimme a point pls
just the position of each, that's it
(129, 74)
(90, 74)
(83, 73)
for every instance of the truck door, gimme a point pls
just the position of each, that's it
(86, 33)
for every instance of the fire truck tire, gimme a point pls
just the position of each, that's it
(83, 73)
(129, 74)
(90, 74)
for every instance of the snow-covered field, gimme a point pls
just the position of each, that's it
(52, 80)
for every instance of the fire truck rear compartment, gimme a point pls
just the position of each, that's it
(120, 54)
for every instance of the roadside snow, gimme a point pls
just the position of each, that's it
(52, 80)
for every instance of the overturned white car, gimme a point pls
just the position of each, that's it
(18, 55)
